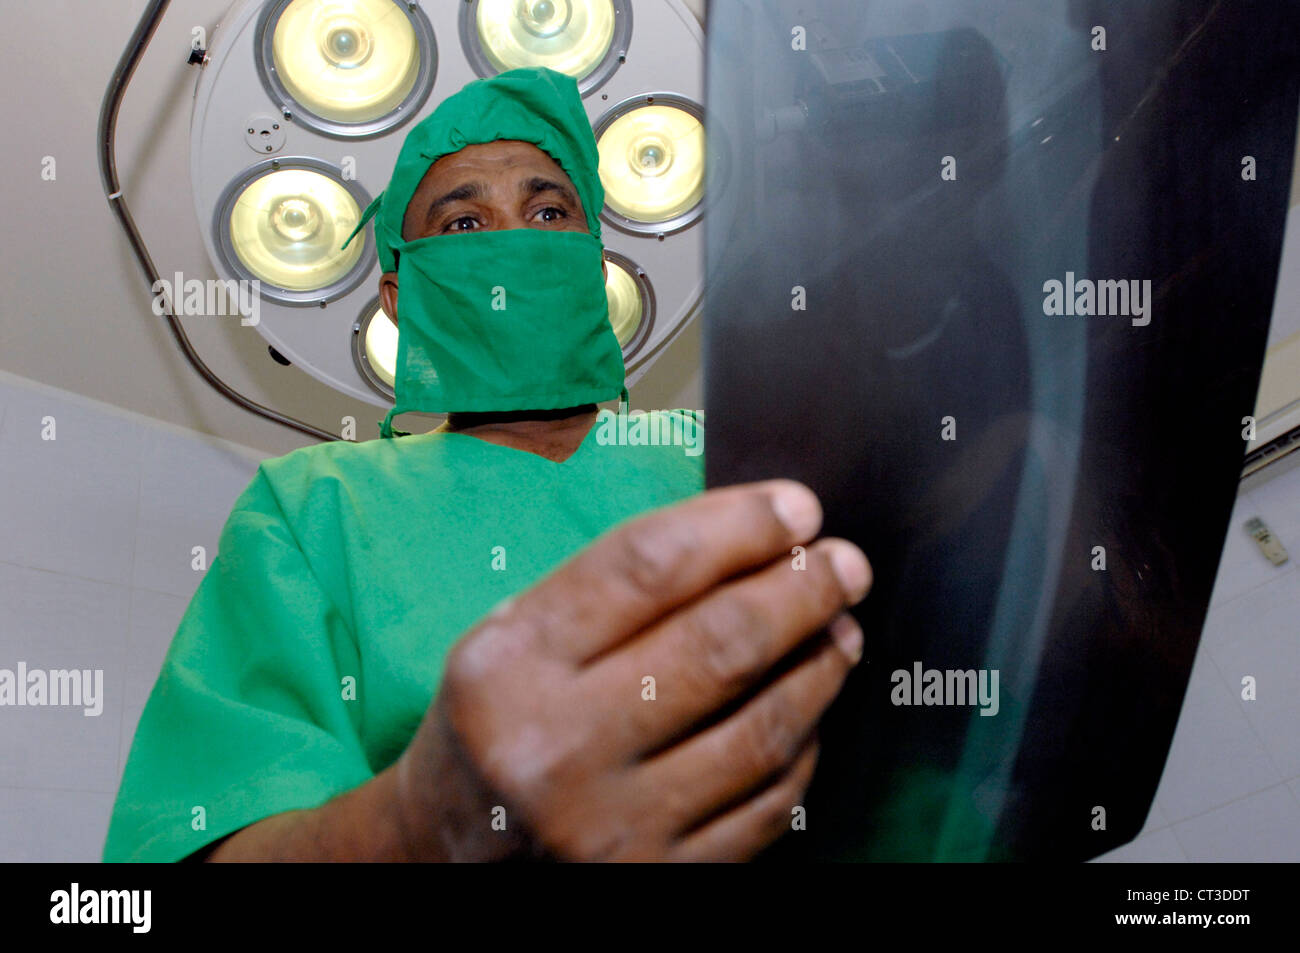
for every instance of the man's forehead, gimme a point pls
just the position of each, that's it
(501, 153)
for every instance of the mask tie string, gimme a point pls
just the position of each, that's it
(386, 426)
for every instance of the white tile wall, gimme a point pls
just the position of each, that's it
(186, 491)
(54, 621)
(96, 531)
(1216, 757)
(154, 618)
(44, 826)
(69, 504)
(1243, 567)
(1264, 826)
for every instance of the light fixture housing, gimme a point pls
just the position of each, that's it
(664, 52)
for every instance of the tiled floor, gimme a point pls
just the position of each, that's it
(1231, 786)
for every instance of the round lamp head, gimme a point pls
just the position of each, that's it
(585, 39)
(652, 163)
(347, 67)
(631, 302)
(284, 227)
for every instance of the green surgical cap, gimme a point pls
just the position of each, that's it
(534, 104)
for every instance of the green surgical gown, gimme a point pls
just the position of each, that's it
(315, 642)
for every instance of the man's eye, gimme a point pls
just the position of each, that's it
(452, 226)
(558, 211)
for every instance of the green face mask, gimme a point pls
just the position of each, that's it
(514, 319)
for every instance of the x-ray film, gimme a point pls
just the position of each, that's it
(995, 279)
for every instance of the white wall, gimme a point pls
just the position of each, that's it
(96, 532)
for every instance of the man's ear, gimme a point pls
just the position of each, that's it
(388, 295)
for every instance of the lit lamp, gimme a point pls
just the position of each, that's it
(285, 226)
(375, 348)
(631, 302)
(652, 164)
(347, 67)
(585, 39)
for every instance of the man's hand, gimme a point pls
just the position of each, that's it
(548, 733)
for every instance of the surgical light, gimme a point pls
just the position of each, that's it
(346, 67)
(586, 39)
(284, 227)
(374, 348)
(652, 164)
(631, 302)
(312, 293)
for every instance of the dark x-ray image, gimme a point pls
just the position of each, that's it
(994, 278)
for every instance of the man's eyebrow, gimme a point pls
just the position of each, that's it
(533, 186)
(467, 191)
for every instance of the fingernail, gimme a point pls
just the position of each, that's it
(851, 569)
(847, 635)
(798, 508)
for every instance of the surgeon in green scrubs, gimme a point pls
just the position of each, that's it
(463, 644)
